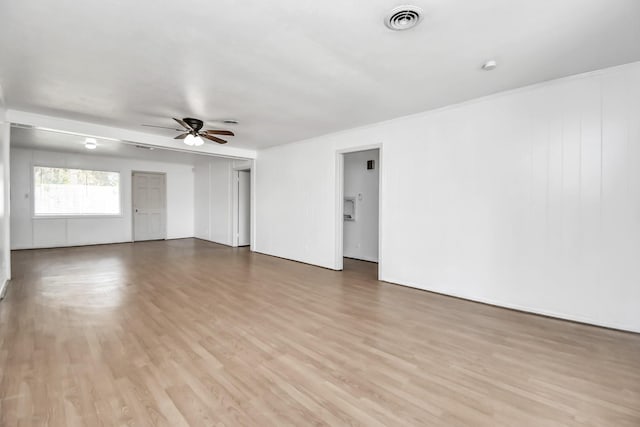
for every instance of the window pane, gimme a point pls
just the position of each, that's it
(61, 191)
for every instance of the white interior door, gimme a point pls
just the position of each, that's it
(149, 206)
(244, 208)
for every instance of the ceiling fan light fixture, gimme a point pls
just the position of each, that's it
(192, 133)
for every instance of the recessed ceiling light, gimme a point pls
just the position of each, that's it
(403, 17)
(489, 65)
(90, 143)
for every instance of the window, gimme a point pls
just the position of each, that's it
(65, 192)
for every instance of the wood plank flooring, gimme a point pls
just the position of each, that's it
(187, 332)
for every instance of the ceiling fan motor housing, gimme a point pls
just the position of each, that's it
(195, 124)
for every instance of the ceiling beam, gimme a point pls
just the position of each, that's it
(126, 136)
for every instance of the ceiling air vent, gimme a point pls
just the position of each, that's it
(403, 18)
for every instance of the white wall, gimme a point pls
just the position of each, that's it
(202, 189)
(221, 200)
(28, 232)
(527, 199)
(213, 200)
(5, 252)
(361, 235)
(295, 202)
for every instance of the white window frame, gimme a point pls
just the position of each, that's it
(32, 174)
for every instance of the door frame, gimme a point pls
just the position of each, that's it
(339, 204)
(133, 213)
(235, 201)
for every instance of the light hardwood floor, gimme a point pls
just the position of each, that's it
(187, 332)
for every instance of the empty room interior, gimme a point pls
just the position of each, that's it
(296, 213)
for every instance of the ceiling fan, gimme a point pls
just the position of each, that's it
(192, 133)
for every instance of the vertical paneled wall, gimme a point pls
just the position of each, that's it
(5, 251)
(213, 209)
(527, 199)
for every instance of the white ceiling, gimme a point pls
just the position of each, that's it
(292, 69)
(39, 139)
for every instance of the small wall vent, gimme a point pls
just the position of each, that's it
(403, 18)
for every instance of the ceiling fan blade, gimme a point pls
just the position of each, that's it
(213, 138)
(219, 132)
(161, 127)
(182, 136)
(184, 124)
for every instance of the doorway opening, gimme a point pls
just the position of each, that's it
(149, 202)
(243, 208)
(359, 236)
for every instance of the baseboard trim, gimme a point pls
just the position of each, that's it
(3, 288)
(362, 258)
(29, 248)
(522, 309)
(296, 260)
(214, 241)
(33, 248)
(500, 304)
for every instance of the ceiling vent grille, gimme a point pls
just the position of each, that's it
(403, 18)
